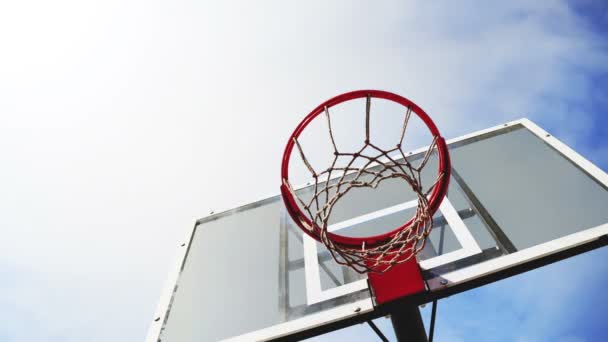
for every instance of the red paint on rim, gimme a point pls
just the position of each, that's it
(371, 241)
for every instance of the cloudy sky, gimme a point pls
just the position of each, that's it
(121, 122)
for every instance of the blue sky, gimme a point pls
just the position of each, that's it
(115, 115)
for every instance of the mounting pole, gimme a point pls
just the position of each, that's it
(408, 325)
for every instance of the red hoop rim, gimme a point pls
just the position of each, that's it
(435, 199)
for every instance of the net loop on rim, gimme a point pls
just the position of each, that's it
(312, 214)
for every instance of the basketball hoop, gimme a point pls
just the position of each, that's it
(373, 253)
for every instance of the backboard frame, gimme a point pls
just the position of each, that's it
(315, 294)
(457, 281)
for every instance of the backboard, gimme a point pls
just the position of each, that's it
(518, 199)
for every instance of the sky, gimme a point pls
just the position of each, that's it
(122, 122)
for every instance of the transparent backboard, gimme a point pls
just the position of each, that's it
(517, 198)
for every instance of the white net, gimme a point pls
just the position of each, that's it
(368, 167)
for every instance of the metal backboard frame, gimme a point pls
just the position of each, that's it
(441, 284)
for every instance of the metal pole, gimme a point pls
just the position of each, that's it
(408, 325)
(432, 325)
(377, 331)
